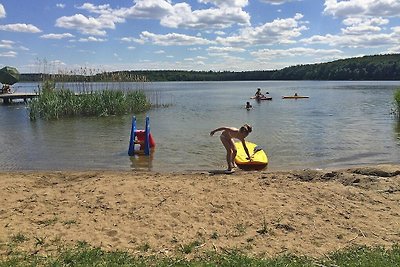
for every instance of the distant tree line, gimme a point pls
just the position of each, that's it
(380, 67)
(377, 67)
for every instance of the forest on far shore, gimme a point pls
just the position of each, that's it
(376, 67)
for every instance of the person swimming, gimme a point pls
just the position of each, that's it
(248, 106)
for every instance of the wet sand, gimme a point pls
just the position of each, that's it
(305, 212)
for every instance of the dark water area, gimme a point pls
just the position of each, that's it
(341, 124)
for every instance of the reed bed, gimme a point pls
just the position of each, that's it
(86, 79)
(397, 103)
(56, 104)
(87, 92)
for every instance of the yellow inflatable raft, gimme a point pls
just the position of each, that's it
(258, 159)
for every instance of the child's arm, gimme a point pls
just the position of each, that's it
(246, 149)
(220, 129)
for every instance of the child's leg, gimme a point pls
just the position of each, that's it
(234, 152)
(228, 147)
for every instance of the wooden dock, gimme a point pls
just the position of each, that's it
(8, 98)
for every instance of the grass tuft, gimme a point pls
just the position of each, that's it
(187, 249)
(19, 238)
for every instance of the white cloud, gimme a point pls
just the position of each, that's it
(362, 7)
(367, 21)
(159, 52)
(173, 39)
(9, 54)
(226, 3)
(277, 2)
(358, 26)
(194, 61)
(20, 27)
(268, 54)
(224, 15)
(92, 39)
(132, 39)
(353, 41)
(60, 5)
(201, 58)
(131, 47)
(359, 32)
(128, 39)
(148, 9)
(6, 44)
(279, 31)
(101, 9)
(57, 62)
(182, 16)
(57, 36)
(2, 12)
(394, 49)
(89, 25)
(216, 49)
(396, 30)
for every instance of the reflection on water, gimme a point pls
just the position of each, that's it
(342, 123)
(142, 162)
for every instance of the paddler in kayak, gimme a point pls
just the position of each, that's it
(227, 136)
(258, 94)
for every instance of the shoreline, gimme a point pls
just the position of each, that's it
(202, 171)
(266, 213)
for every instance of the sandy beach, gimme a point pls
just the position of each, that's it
(305, 212)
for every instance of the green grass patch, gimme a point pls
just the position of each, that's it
(84, 255)
(56, 104)
(365, 257)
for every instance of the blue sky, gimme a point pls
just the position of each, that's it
(234, 35)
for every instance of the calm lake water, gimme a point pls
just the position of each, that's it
(341, 124)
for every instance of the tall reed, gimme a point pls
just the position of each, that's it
(397, 103)
(87, 92)
(56, 104)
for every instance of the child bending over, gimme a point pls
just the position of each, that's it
(227, 136)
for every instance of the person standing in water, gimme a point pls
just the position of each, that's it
(227, 136)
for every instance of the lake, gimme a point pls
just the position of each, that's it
(341, 124)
